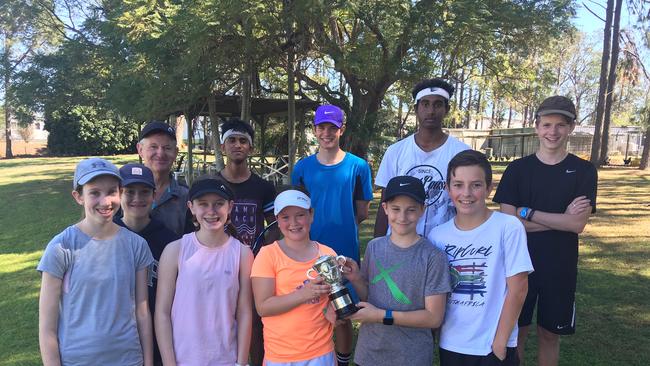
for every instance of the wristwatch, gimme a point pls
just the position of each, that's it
(388, 317)
(524, 213)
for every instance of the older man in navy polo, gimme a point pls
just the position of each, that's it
(158, 150)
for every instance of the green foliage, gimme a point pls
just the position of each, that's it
(83, 130)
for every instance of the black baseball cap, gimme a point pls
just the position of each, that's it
(557, 104)
(137, 173)
(404, 185)
(210, 185)
(158, 127)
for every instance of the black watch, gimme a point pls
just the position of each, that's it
(388, 318)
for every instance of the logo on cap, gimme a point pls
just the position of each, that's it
(98, 164)
(136, 171)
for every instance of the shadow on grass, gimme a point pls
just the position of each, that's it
(19, 309)
(39, 161)
(39, 210)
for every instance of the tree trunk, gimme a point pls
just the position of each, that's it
(364, 114)
(461, 92)
(301, 134)
(611, 82)
(262, 138)
(180, 130)
(493, 120)
(469, 107)
(509, 115)
(604, 67)
(646, 147)
(399, 119)
(214, 126)
(291, 115)
(190, 156)
(7, 97)
(245, 111)
(524, 118)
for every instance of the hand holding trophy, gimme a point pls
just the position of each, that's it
(330, 269)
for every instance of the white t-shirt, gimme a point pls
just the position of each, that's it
(480, 260)
(406, 158)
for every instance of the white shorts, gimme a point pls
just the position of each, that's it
(328, 359)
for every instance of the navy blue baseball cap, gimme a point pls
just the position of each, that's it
(405, 185)
(158, 127)
(210, 185)
(137, 173)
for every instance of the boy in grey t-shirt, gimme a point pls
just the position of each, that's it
(404, 283)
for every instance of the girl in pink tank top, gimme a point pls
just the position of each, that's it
(204, 300)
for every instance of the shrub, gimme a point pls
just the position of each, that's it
(85, 130)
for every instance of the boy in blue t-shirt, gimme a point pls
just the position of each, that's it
(340, 186)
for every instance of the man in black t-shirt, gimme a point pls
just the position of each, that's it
(254, 199)
(553, 193)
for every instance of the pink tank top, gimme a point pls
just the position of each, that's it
(205, 303)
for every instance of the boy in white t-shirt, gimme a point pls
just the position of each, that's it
(424, 155)
(489, 265)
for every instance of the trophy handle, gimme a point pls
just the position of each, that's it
(309, 274)
(340, 259)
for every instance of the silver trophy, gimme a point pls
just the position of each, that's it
(330, 268)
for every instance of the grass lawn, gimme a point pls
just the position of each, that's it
(612, 302)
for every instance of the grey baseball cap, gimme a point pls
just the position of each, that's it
(557, 104)
(89, 169)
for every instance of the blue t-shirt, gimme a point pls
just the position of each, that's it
(334, 190)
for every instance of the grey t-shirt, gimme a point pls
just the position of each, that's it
(399, 279)
(97, 309)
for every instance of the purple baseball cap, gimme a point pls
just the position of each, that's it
(329, 113)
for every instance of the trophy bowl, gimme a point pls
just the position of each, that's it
(330, 268)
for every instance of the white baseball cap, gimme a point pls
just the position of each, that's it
(291, 197)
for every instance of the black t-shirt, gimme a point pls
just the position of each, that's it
(528, 182)
(157, 236)
(253, 200)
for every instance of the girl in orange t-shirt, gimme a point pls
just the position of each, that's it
(293, 308)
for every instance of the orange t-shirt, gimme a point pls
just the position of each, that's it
(301, 333)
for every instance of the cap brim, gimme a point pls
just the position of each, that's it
(278, 208)
(556, 111)
(90, 176)
(159, 130)
(126, 182)
(334, 122)
(408, 194)
(205, 191)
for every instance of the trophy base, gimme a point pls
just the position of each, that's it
(343, 304)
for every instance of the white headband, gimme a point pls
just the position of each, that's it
(291, 197)
(239, 133)
(431, 91)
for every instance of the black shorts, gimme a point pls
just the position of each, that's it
(449, 358)
(553, 292)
